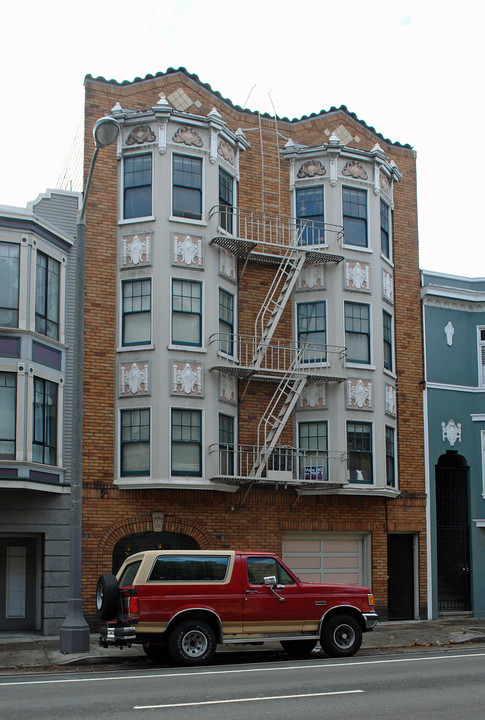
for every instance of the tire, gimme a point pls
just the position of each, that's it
(192, 643)
(298, 647)
(341, 636)
(107, 597)
(155, 652)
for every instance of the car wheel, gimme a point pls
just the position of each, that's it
(155, 651)
(192, 643)
(298, 647)
(341, 636)
(107, 597)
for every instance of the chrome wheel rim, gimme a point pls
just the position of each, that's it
(344, 636)
(99, 597)
(194, 643)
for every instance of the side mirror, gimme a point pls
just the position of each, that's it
(270, 580)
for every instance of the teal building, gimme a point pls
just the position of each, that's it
(454, 381)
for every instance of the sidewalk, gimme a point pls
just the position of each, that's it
(30, 650)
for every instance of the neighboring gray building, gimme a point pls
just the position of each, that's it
(454, 342)
(37, 266)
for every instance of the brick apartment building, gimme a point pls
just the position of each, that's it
(253, 354)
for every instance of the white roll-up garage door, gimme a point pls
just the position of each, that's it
(329, 557)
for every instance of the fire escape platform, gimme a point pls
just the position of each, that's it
(244, 249)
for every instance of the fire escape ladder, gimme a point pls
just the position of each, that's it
(276, 300)
(276, 416)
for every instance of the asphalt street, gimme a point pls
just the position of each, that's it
(442, 683)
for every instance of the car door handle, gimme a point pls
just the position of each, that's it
(252, 592)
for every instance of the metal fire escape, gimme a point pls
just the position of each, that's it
(278, 242)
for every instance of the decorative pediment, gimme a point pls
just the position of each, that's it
(188, 136)
(355, 170)
(311, 168)
(140, 134)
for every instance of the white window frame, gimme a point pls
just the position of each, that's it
(177, 218)
(144, 346)
(188, 348)
(134, 477)
(142, 218)
(190, 478)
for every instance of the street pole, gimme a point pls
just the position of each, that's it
(74, 631)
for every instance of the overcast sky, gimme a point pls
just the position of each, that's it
(412, 70)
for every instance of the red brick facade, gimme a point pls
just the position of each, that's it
(214, 519)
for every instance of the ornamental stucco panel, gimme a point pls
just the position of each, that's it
(227, 389)
(187, 378)
(187, 251)
(311, 277)
(357, 276)
(134, 378)
(387, 287)
(451, 432)
(390, 400)
(227, 264)
(136, 250)
(313, 396)
(359, 394)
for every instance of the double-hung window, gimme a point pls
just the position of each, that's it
(390, 457)
(135, 442)
(310, 215)
(357, 332)
(186, 434)
(387, 338)
(9, 284)
(385, 230)
(44, 441)
(186, 312)
(226, 200)
(8, 405)
(354, 210)
(226, 444)
(187, 187)
(359, 452)
(313, 443)
(47, 273)
(312, 330)
(226, 322)
(136, 320)
(137, 186)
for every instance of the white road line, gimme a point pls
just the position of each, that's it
(239, 671)
(241, 700)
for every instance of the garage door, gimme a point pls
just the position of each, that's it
(329, 558)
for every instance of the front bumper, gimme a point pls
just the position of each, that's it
(370, 620)
(118, 635)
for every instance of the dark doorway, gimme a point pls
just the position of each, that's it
(18, 583)
(131, 544)
(452, 533)
(400, 583)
